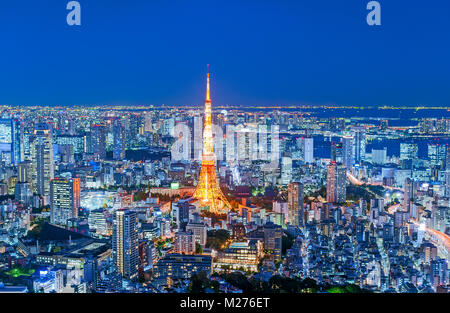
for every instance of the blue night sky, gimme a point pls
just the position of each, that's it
(260, 51)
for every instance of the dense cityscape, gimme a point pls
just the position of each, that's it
(157, 199)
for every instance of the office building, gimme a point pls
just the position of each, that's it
(42, 159)
(359, 144)
(65, 197)
(347, 146)
(437, 154)
(408, 151)
(199, 232)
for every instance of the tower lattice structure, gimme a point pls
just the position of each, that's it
(208, 190)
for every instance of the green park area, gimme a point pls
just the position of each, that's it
(17, 272)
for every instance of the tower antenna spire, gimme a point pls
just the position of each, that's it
(208, 93)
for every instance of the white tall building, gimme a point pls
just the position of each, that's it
(447, 184)
(437, 154)
(347, 146)
(97, 221)
(308, 150)
(408, 151)
(148, 126)
(286, 170)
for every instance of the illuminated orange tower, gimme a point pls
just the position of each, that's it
(208, 190)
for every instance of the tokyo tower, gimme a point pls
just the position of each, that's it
(208, 190)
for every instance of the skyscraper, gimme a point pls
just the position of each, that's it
(336, 183)
(337, 152)
(447, 159)
(308, 150)
(126, 243)
(119, 140)
(65, 199)
(347, 142)
(359, 144)
(447, 184)
(98, 140)
(24, 172)
(437, 154)
(295, 204)
(409, 193)
(5, 140)
(286, 170)
(208, 190)
(148, 122)
(408, 151)
(42, 159)
(197, 138)
(11, 141)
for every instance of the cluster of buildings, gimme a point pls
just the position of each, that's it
(93, 200)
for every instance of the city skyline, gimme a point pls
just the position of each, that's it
(97, 201)
(299, 53)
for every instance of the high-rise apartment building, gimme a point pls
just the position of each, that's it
(199, 232)
(295, 204)
(336, 183)
(184, 243)
(126, 243)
